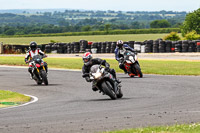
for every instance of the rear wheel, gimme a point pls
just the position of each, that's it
(44, 77)
(108, 89)
(138, 70)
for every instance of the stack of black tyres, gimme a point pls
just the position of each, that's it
(54, 48)
(72, 47)
(108, 47)
(162, 46)
(113, 46)
(88, 48)
(156, 46)
(43, 46)
(48, 48)
(22, 48)
(178, 46)
(198, 45)
(173, 46)
(83, 46)
(149, 46)
(185, 46)
(60, 48)
(76, 47)
(103, 47)
(192, 46)
(168, 45)
(69, 48)
(131, 44)
(99, 47)
(65, 47)
(94, 45)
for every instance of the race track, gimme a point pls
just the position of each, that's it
(68, 104)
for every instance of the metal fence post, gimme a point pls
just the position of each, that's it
(1, 48)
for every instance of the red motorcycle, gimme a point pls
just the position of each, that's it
(131, 64)
(39, 71)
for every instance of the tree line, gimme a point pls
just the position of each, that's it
(77, 21)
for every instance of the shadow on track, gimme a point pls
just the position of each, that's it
(107, 99)
(44, 85)
(131, 77)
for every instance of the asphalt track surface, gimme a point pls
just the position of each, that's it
(68, 104)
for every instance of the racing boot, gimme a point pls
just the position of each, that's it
(94, 88)
(31, 76)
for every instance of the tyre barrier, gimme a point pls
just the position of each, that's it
(185, 46)
(162, 46)
(168, 46)
(198, 46)
(178, 46)
(137, 46)
(148, 46)
(156, 46)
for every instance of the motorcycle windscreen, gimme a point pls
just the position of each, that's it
(94, 68)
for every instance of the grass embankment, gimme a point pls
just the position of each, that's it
(193, 128)
(164, 67)
(94, 38)
(8, 98)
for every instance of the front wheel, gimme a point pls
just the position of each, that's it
(108, 89)
(119, 93)
(44, 77)
(138, 70)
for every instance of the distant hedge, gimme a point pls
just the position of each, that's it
(111, 32)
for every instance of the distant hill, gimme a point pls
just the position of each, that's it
(35, 21)
(31, 11)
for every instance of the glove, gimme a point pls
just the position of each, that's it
(88, 79)
(26, 62)
(121, 58)
(107, 69)
(85, 75)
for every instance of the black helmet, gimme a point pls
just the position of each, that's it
(120, 43)
(33, 45)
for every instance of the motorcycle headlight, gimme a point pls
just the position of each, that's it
(128, 61)
(131, 59)
(97, 75)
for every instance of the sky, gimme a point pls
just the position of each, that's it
(117, 5)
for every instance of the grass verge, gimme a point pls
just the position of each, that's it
(192, 128)
(163, 67)
(9, 98)
(95, 38)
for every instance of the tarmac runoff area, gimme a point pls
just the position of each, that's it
(149, 56)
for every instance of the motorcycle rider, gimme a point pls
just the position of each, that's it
(32, 52)
(89, 62)
(119, 53)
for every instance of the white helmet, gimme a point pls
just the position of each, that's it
(120, 43)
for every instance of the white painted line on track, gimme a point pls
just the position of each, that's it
(13, 66)
(35, 99)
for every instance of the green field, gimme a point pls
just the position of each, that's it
(8, 98)
(192, 128)
(94, 38)
(163, 67)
